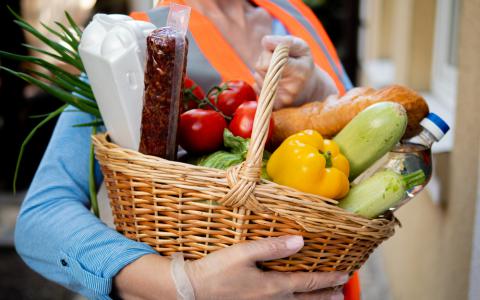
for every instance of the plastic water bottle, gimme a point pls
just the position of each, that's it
(414, 154)
(399, 176)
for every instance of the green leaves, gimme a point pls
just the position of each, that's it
(66, 55)
(91, 179)
(65, 86)
(49, 117)
(56, 81)
(83, 104)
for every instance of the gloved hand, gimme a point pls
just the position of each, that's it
(231, 273)
(302, 80)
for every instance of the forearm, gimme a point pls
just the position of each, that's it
(64, 242)
(56, 234)
(146, 278)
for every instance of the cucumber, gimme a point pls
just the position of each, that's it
(384, 190)
(371, 134)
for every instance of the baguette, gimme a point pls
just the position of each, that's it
(330, 116)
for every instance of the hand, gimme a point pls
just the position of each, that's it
(231, 273)
(301, 81)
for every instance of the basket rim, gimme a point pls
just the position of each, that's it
(103, 143)
(241, 186)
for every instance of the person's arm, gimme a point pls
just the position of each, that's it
(56, 234)
(60, 238)
(231, 273)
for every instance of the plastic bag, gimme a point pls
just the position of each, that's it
(167, 49)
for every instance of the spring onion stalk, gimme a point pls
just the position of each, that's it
(68, 87)
(91, 180)
(66, 96)
(49, 117)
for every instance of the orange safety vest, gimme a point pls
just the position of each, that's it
(212, 59)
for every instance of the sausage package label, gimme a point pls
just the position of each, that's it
(113, 50)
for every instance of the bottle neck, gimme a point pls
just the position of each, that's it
(425, 138)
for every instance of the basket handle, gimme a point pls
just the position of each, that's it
(243, 178)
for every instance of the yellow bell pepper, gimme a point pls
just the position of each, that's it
(309, 163)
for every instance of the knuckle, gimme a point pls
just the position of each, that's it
(288, 100)
(302, 76)
(260, 66)
(311, 283)
(273, 285)
(258, 79)
(274, 247)
(328, 280)
(291, 90)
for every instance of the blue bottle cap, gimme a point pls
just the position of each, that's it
(435, 125)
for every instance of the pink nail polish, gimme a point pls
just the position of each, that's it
(294, 242)
(338, 296)
(344, 279)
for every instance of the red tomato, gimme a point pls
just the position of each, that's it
(236, 92)
(191, 93)
(201, 130)
(242, 122)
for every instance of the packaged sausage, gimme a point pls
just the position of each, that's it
(165, 69)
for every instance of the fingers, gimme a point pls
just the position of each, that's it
(298, 47)
(321, 295)
(263, 62)
(307, 282)
(258, 83)
(267, 249)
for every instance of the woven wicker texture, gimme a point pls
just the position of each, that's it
(173, 206)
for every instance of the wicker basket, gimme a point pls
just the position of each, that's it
(177, 207)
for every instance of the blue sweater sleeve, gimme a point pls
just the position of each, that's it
(56, 234)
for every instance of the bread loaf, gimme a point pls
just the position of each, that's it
(330, 116)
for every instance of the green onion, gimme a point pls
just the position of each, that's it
(49, 117)
(63, 85)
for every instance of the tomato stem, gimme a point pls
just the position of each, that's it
(188, 95)
(206, 101)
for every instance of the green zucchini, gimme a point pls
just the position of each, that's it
(384, 190)
(371, 134)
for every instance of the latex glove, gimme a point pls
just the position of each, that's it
(231, 273)
(302, 81)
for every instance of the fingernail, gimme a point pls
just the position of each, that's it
(338, 296)
(268, 38)
(294, 242)
(343, 279)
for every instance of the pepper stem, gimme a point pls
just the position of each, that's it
(328, 159)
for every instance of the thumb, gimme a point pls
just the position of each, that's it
(269, 248)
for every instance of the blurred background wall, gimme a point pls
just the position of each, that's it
(429, 45)
(433, 46)
(18, 102)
